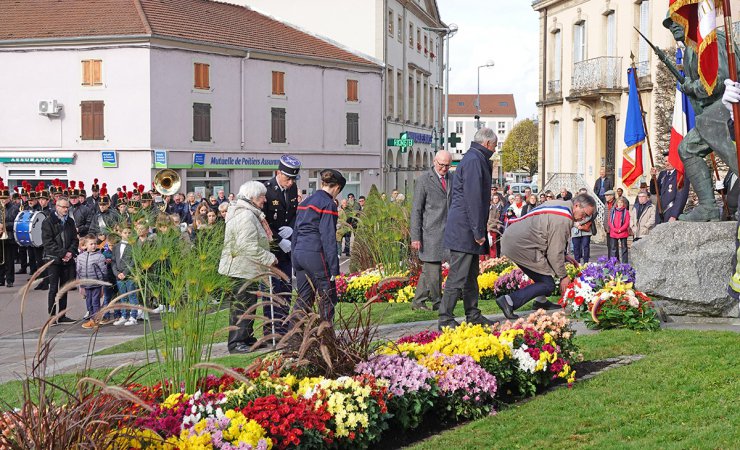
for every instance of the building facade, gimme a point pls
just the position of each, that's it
(391, 31)
(137, 95)
(585, 48)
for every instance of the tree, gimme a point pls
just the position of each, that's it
(520, 148)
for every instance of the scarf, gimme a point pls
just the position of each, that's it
(263, 220)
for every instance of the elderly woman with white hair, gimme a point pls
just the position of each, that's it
(245, 254)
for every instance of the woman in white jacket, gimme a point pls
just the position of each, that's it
(244, 258)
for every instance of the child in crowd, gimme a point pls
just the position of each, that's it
(105, 245)
(122, 263)
(91, 266)
(619, 226)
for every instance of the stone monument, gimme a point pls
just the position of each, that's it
(686, 266)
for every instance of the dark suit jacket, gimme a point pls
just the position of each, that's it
(672, 199)
(429, 214)
(58, 238)
(608, 185)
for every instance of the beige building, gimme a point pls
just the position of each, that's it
(585, 48)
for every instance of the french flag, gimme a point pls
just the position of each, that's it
(683, 121)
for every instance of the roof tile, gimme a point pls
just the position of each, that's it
(491, 105)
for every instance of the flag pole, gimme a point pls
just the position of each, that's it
(732, 67)
(647, 134)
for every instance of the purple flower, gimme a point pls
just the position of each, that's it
(403, 374)
(606, 269)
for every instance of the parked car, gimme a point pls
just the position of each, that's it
(518, 188)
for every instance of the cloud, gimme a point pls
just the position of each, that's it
(505, 31)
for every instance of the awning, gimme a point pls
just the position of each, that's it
(38, 158)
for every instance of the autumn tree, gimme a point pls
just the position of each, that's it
(520, 148)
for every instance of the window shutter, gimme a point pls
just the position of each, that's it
(206, 78)
(201, 122)
(87, 120)
(198, 81)
(353, 129)
(352, 94)
(278, 125)
(98, 122)
(97, 75)
(85, 73)
(207, 122)
(278, 80)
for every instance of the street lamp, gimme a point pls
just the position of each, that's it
(488, 64)
(448, 32)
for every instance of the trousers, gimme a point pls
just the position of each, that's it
(285, 290)
(462, 281)
(239, 303)
(314, 284)
(59, 275)
(430, 284)
(126, 286)
(619, 249)
(9, 252)
(543, 285)
(582, 248)
(92, 299)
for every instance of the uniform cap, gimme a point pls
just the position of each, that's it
(289, 165)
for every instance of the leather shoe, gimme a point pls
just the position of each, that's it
(419, 307)
(506, 308)
(240, 348)
(65, 319)
(453, 324)
(547, 306)
(41, 287)
(10, 284)
(21, 271)
(482, 320)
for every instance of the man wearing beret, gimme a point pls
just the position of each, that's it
(280, 211)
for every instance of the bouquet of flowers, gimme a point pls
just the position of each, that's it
(511, 282)
(589, 279)
(617, 305)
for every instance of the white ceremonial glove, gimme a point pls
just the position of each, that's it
(285, 232)
(284, 245)
(718, 185)
(731, 95)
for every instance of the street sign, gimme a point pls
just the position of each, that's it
(454, 140)
(403, 142)
(110, 159)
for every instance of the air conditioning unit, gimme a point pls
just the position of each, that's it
(49, 107)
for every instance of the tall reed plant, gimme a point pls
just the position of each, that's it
(382, 235)
(183, 277)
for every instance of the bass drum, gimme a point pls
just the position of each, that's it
(27, 228)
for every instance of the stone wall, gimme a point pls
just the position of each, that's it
(686, 266)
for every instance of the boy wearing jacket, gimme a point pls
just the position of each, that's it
(91, 266)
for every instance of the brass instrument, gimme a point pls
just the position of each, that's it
(4, 234)
(167, 182)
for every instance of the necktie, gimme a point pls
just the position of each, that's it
(444, 183)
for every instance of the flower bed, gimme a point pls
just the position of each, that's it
(443, 376)
(602, 294)
(370, 285)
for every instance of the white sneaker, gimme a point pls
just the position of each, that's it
(120, 321)
(158, 310)
(86, 316)
(131, 321)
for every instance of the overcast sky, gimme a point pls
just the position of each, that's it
(504, 31)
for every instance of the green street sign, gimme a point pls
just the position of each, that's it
(403, 142)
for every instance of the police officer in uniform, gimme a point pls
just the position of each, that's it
(672, 198)
(8, 245)
(280, 212)
(314, 246)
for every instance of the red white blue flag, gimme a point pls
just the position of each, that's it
(634, 134)
(683, 121)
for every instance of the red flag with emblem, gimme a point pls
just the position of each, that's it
(699, 21)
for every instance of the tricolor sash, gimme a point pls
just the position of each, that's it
(549, 209)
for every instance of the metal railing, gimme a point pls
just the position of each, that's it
(573, 182)
(736, 32)
(643, 69)
(554, 89)
(593, 74)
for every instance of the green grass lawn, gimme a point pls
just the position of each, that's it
(683, 394)
(381, 314)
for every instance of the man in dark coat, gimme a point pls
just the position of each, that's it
(59, 235)
(280, 212)
(672, 198)
(466, 232)
(428, 219)
(602, 185)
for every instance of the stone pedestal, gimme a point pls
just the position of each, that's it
(686, 266)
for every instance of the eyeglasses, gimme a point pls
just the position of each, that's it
(440, 164)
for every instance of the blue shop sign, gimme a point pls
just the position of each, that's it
(199, 160)
(419, 138)
(160, 159)
(110, 159)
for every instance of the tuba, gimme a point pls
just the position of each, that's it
(4, 233)
(167, 182)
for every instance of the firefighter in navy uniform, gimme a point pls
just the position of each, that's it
(315, 256)
(280, 212)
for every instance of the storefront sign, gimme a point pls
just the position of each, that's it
(199, 160)
(32, 158)
(110, 159)
(160, 159)
(242, 162)
(403, 142)
(419, 138)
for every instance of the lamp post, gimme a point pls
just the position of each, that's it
(448, 32)
(488, 64)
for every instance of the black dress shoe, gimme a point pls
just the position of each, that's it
(10, 284)
(454, 324)
(506, 308)
(482, 320)
(42, 287)
(65, 319)
(240, 349)
(547, 306)
(21, 271)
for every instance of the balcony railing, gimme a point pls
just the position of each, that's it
(736, 32)
(554, 90)
(643, 70)
(596, 74)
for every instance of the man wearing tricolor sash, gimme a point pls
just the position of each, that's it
(537, 243)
